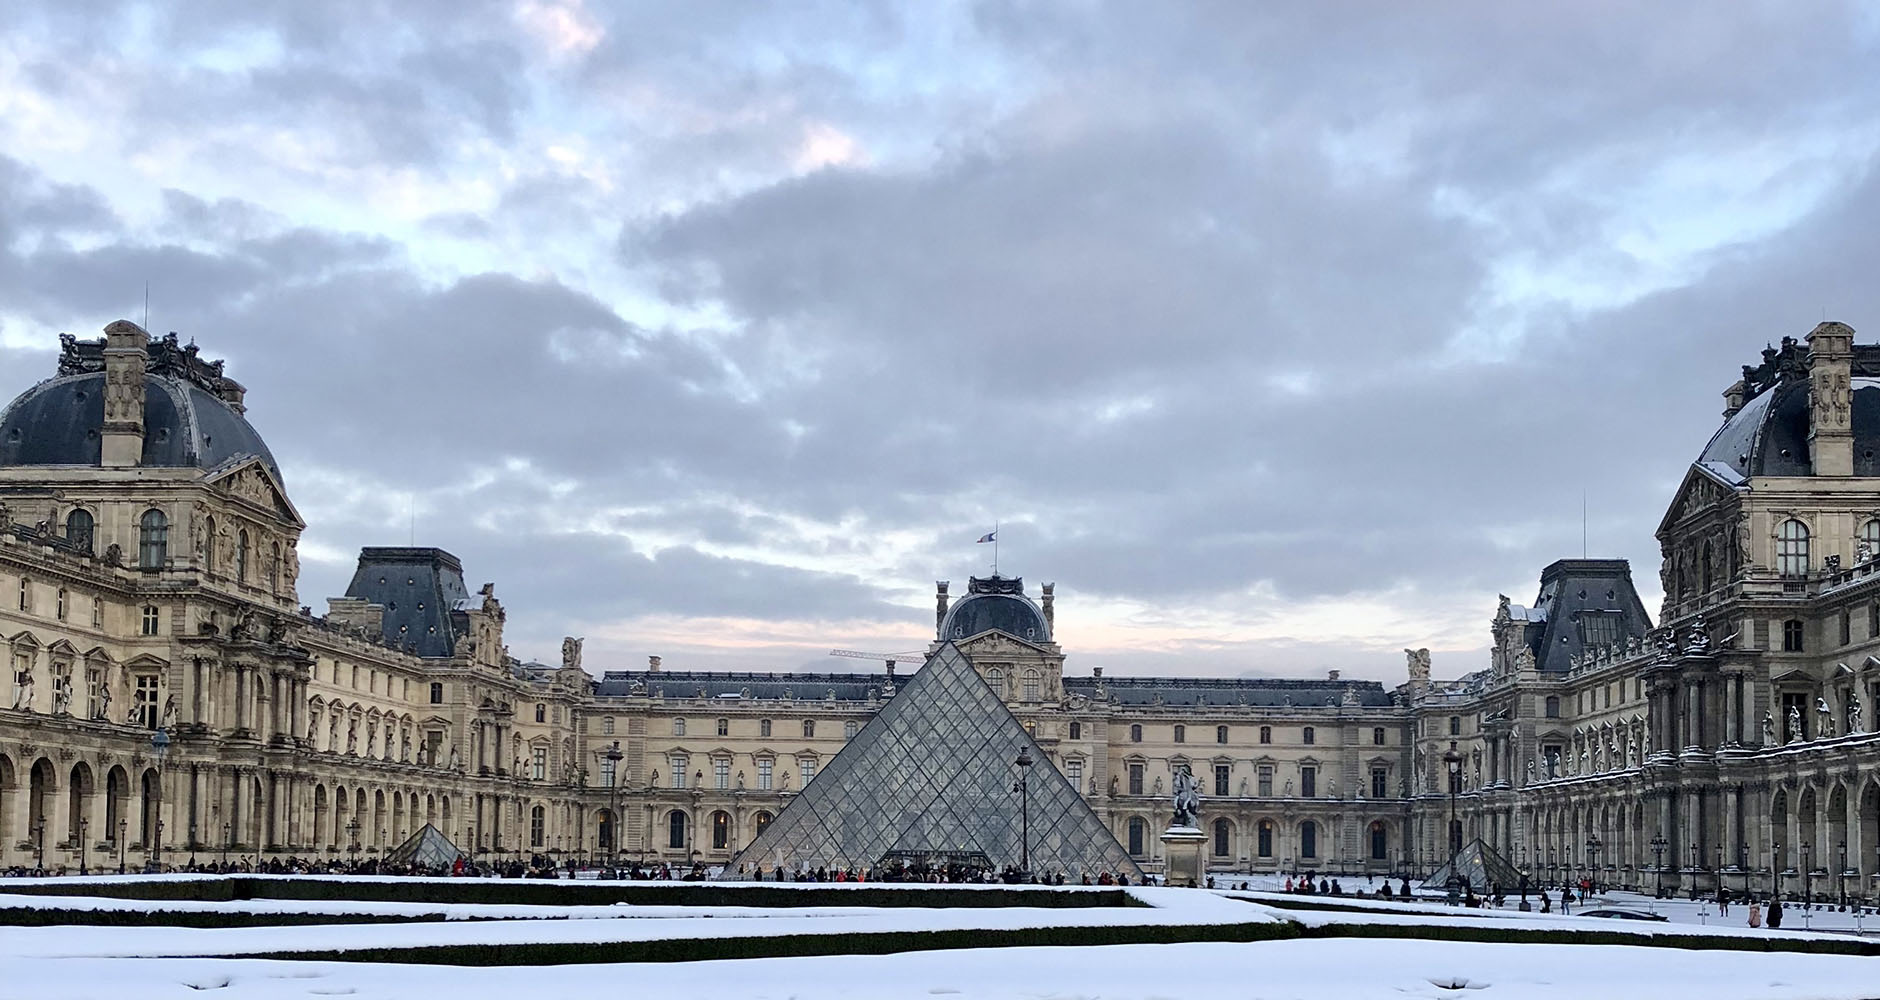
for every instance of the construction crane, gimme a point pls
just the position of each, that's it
(887, 658)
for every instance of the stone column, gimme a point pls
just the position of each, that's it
(241, 696)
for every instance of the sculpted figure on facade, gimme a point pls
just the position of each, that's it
(168, 719)
(104, 701)
(352, 736)
(1853, 717)
(23, 691)
(1795, 723)
(570, 653)
(1824, 720)
(1187, 801)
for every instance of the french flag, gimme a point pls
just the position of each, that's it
(990, 536)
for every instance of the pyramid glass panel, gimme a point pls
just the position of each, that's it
(932, 775)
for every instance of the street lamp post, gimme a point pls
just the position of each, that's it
(1775, 872)
(1694, 870)
(39, 842)
(1840, 874)
(1592, 862)
(1658, 850)
(228, 834)
(352, 831)
(122, 825)
(1452, 759)
(1808, 879)
(159, 748)
(1024, 763)
(83, 824)
(613, 756)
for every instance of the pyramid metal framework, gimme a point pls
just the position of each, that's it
(932, 775)
(1480, 867)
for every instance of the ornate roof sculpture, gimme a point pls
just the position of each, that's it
(932, 775)
(1767, 419)
(996, 602)
(193, 414)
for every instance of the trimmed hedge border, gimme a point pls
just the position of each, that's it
(27, 916)
(583, 893)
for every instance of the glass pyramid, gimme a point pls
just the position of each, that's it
(428, 848)
(932, 777)
(1480, 867)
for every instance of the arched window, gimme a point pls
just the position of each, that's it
(995, 678)
(1031, 686)
(1706, 567)
(1308, 839)
(1870, 533)
(538, 826)
(1138, 831)
(1380, 841)
(241, 556)
(79, 527)
(1263, 838)
(1221, 838)
(1792, 548)
(153, 540)
(721, 830)
(675, 829)
(604, 840)
(849, 729)
(1135, 734)
(762, 820)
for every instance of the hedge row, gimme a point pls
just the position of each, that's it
(559, 893)
(27, 916)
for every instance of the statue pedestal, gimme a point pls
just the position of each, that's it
(1183, 846)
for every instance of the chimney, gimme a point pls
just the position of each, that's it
(234, 394)
(652, 664)
(1830, 425)
(1733, 399)
(1050, 616)
(126, 358)
(1096, 672)
(1332, 675)
(940, 607)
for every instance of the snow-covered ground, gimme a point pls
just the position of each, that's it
(119, 962)
(1339, 969)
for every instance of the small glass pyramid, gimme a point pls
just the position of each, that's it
(428, 848)
(1479, 867)
(932, 776)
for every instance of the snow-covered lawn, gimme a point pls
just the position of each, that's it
(1345, 969)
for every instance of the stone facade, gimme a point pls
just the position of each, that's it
(147, 585)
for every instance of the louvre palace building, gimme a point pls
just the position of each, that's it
(169, 695)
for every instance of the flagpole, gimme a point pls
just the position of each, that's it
(995, 548)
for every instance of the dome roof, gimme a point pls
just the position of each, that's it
(1769, 435)
(60, 421)
(996, 603)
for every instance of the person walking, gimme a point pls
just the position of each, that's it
(1723, 902)
(1755, 914)
(1566, 900)
(1775, 912)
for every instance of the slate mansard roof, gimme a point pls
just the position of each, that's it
(423, 592)
(186, 423)
(1769, 435)
(995, 603)
(1584, 604)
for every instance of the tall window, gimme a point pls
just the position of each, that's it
(678, 763)
(607, 773)
(26, 594)
(1266, 734)
(1380, 841)
(763, 727)
(761, 820)
(1221, 838)
(1792, 636)
(437, 695)
(1706, 565)
(1847, 624)
(1307, 736)
(1869, 533)
(538, 826)
(850, 728)
(1077, 730)
(1380, 782)
(79, 527)
(1222, 774)
(721, 773)
(541, 712)
(1792, 548)
(1455, 725)
(1265, 788)
(1265, 838)
(1551, 706)
(208, 548)
(1308, 781)
(1220, 734)
(1308, 839)
(144, 701)
(675, 829)
(996, 678)
(721, 830)
(538, 761)
(724, 727)
(806, 770)
(241, 556)
(1377, 736)
(153, 540)
(274, 566)
(1135, 778)
(151, 621)
(678, 727)
(765, 769)
(809, 729)
(1181, 734)
(1138, 831)
(1135, 734)
(1030, 686)
(1074, 773)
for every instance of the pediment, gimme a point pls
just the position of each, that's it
(1700, 491)
(249, 480)
(1794, 675)
(62, 647)
(995, 642)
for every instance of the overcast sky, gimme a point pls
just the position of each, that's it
(1281, 337)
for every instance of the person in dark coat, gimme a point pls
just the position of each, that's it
(1775, 913)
